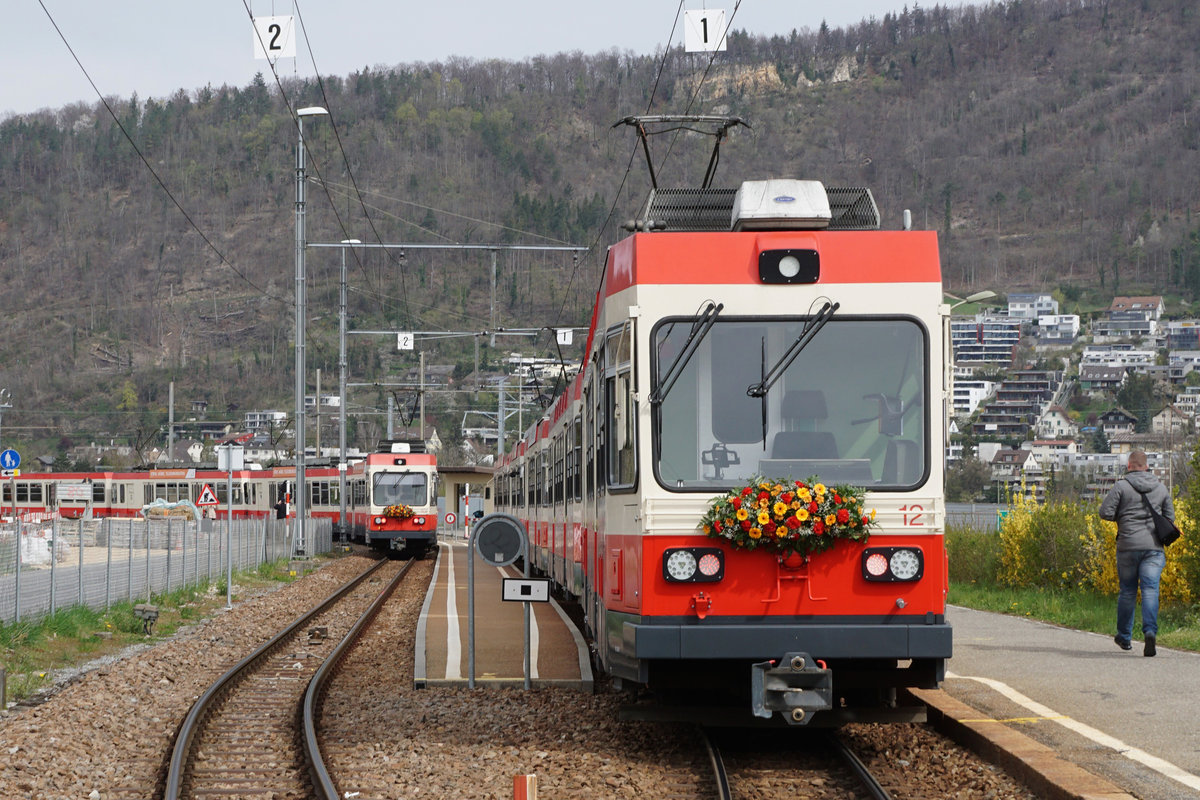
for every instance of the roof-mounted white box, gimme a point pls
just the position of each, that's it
(780, 204)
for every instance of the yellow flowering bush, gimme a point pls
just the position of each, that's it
(789, 516)
(1064, 545)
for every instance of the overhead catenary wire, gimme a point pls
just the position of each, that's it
(146, 163)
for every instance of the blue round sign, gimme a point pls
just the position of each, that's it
(10, 459)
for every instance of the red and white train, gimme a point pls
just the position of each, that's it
(765, 334)
(391, 495)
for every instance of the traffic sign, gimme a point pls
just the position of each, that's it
(207, 497)
(10, 459)
(451, 518)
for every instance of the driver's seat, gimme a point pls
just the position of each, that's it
(800, 411)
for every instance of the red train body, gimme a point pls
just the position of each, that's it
(800, 346)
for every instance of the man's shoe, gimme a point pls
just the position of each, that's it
(1149, 649)
(1122, 643)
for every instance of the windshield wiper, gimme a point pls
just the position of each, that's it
(811, 328)
(700, 328)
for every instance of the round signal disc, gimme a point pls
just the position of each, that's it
(877, 564)
(709, 564)
(905, 564)
(681, 565)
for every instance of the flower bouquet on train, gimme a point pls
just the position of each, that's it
(400, 511)
(787, 517)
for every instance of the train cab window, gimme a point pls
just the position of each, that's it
(391, 488)
(620, 409)
(850, 406)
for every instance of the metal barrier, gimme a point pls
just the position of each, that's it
(48, 566)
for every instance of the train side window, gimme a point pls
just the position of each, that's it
(98, 492)
(35, 493)
(620, 409)
(7, 493)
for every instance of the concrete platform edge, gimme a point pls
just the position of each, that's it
(1031, 762)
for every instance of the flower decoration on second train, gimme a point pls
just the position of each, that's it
(399, 510)
(789, 516)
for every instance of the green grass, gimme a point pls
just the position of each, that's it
(30, 650)
(1177, 627)
(975, 559)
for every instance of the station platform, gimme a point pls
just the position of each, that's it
(1097, 721)
(558, 654)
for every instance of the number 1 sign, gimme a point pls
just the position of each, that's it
(704, 31)
(273, 38)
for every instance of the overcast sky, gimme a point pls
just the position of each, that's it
(154, 47)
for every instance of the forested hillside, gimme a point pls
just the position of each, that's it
(1052, 144)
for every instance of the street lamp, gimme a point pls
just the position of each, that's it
(986, 294)
(342, 396)
(301, 485)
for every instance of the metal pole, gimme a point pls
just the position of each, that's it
(342, 466)
(470, 608)
(500, 422)
(422, 395)
(229, 532)
(527, 604)
(299, 543)
(171, 423)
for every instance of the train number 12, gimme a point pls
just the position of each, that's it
(913, 516)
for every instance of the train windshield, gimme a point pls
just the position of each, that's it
(392, 488)
(852, 407)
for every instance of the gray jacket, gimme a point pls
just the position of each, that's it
(1123, 504)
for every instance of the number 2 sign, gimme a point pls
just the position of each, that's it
(273, 38)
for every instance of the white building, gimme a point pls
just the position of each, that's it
(1031, 306)
(968, 394)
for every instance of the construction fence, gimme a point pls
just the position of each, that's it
(48, 566)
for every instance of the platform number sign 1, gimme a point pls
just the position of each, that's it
(274, 37)
(704, 31)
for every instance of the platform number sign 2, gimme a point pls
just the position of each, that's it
(404, 340)
(704, 31)
(274, 38)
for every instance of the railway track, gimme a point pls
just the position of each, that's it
(253, 732)
(782, 765)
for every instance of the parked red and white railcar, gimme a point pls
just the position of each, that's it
(393, 494)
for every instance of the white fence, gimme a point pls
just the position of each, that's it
(53, 565)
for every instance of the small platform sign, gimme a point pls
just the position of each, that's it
(207, 497)
(529, 590)
(10, 459)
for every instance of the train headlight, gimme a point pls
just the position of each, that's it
(418, 520)
(789, 266)
(893, 564)
(380, 520)
(693, 565)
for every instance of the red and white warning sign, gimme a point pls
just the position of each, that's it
(207, 497)
(451, 518)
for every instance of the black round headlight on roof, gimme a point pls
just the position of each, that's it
(789, 266)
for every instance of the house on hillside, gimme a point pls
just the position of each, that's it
(1129, 317)
(1056, 423)
(1116, 421)
(1031, 306)
(1097, 379)
(1015, 467)
(1171, 422)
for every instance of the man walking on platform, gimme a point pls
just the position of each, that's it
(1140, 557)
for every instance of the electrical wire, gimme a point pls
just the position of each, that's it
(162, 184)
